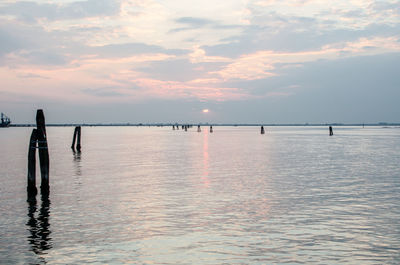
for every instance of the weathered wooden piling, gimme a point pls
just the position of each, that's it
(173, 127)
(74, 138)
(43, 151)
(186, 127)
(78, 144)
(198, 128)
(262, 130)
(31, 189)
(211, 129)
(77, 139)
(330, 131)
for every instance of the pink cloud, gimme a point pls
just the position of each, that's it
(181, 90)
(89, 78)
(261, 64)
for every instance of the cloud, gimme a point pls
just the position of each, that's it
(106, 22)
(199, 55)
(188, 90)
(32, 45)
(103, 92)
(8, 42)
(44, 57)
(30, 76)
(262, 64)
(29, 11)
(128, 49)
(351, 15)
(194, 22)
(351, 89)
(179, 69)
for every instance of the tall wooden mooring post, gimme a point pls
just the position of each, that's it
(38, 140)
(77, 139)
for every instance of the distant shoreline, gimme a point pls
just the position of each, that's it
(384, 124)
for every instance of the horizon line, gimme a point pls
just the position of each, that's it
(161, 124)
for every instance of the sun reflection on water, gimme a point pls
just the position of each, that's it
(205, 176)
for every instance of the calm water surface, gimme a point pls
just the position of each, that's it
(158, 196)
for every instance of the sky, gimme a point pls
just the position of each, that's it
(246, 61)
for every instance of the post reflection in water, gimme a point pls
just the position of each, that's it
(205, 177)
(39, 226)
(77, 162)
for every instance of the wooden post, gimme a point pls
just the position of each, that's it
(262, 130)
(330, 131)
(186, 127)
(211, 129)
(32, 191)
(78, 144)
(43, 152)
(173, 127)
(74, 138)
(198, 128)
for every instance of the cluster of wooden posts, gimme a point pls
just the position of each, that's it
(38, 140)
(185, 127)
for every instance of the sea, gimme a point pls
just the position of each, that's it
(153, 195)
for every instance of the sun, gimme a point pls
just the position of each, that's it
(205, 110)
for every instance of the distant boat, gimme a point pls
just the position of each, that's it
(5, 121)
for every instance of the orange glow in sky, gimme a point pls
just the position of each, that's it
(205, 110)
